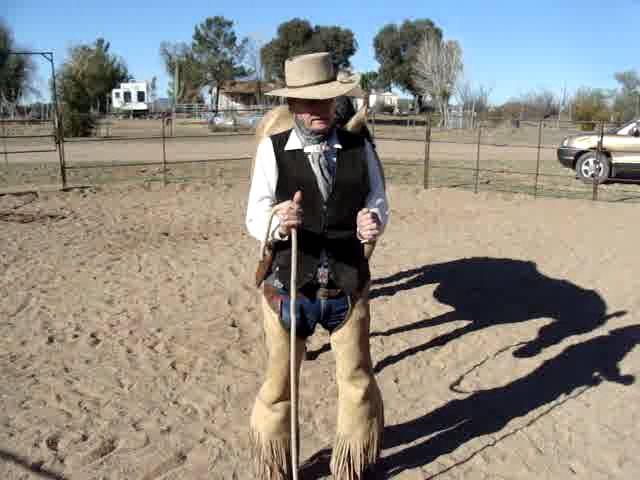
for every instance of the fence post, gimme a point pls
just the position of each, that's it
(4, 140)
(597, 163)
(477, 173)
(59, 124)
(427, 151)
(373, 124)
(535, 186)
(164, 155)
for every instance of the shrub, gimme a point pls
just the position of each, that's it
(77, 124)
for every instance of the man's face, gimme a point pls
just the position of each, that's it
(317, 115)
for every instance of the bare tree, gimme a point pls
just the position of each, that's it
(153, 93)
(543, 102)
(436, 69)
(474, 100)
(254, 63)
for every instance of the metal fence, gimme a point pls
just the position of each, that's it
(503, 155)
(169, 144)
(121, 149)
(498, 154)
(48, 139)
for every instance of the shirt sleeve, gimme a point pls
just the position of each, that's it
(377, 199)
(262, 193)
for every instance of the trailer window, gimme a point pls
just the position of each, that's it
(140, 97)
(127, 97)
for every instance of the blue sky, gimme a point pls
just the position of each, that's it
(513, 47)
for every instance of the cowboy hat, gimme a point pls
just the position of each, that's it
(312, 77)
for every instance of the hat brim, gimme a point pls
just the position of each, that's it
(323, 91)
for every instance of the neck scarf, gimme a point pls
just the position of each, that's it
(315, 146)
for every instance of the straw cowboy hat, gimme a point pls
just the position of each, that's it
(312, 77)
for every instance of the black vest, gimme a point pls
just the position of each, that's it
(331, 225)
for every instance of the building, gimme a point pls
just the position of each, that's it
(131, 97)
(379, 100)
(242, 94)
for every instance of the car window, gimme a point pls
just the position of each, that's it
(623, 129)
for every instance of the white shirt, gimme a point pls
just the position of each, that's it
(262, 194)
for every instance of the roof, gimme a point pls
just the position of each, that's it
(247, 86)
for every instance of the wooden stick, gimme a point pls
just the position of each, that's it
(292, 361)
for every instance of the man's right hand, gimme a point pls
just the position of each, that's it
(290, 214)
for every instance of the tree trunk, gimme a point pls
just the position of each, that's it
(217, 100)
(440, 107)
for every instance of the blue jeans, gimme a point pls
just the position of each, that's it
(330, 313)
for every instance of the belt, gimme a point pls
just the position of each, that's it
(309, 292)
(326, 293)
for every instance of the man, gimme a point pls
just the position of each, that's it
(326, 183)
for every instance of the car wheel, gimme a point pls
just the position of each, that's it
(593, 164)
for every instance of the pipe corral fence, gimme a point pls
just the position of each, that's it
(511, 156)
(497, 154)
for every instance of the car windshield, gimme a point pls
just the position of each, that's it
(615, 130)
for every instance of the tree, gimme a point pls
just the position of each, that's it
(368, 83)
(297, 37)
(396, 48)
(214, 56)
(254, 63)
(16, 71)
(591, 105)
(627, 99)
(85, 83)
(435, 71)
(191, 77)
(153, 92)
(474, 100)
(536, 105)
(219, 52)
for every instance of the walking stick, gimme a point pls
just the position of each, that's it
(292, 358)
(292, 334)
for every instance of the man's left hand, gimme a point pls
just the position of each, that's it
(368, 225)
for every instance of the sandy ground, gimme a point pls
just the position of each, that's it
(504, 337)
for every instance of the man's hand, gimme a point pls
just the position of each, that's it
(368, 225)
(290, 214)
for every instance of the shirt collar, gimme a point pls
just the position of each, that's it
(294, 142)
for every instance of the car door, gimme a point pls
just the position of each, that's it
(625, 147)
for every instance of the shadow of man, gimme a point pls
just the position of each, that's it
(491, 291)
(484, 412)
(35, 468)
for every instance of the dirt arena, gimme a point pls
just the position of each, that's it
(504, 333)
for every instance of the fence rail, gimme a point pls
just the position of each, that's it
(482, 158)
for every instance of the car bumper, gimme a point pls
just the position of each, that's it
(567, 156)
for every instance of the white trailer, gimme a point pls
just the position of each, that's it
(131, 97)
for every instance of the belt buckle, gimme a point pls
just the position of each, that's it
(323, 293)
(323, 275)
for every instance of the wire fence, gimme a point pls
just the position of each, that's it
(516, 157)
(498, 154)
(118, 149)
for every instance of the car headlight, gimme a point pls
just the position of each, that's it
(565, 142)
